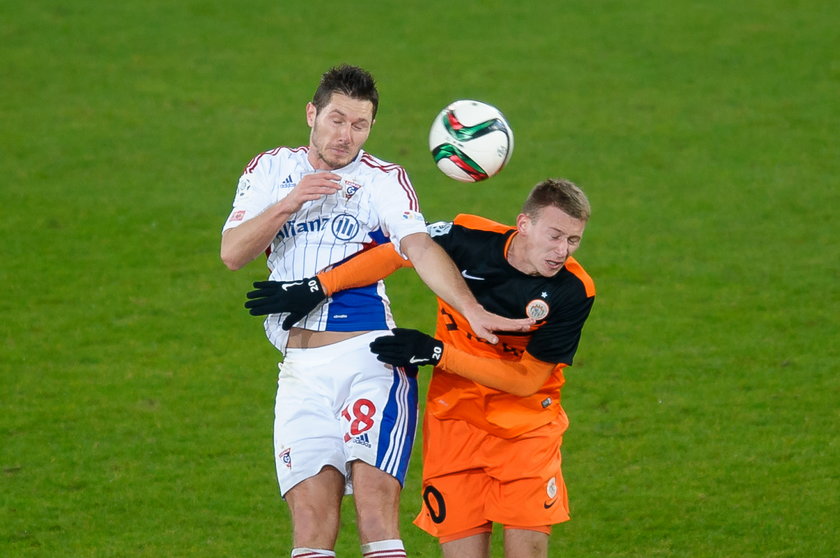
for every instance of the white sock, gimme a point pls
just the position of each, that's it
(312, 553)
(391, 548)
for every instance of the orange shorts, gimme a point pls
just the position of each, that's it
(472, 479)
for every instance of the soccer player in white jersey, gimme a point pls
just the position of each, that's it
(344, 422)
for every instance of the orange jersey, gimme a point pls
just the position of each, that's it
(521, 363)
(560, 304)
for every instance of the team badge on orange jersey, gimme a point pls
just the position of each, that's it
(537, 309)
(551, 492)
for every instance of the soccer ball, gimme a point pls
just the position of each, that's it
(470, 141)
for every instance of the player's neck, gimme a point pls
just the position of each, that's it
(515, 257)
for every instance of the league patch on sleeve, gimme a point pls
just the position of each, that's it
(236, 216)
(413, 216)
(243, 186)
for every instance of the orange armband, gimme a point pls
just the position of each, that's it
(364, 269)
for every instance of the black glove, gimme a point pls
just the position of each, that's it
(407, 347)
(296, 297)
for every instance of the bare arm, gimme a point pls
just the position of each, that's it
(440, 274)
(242, 244)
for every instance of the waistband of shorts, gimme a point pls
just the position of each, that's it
(352, 344)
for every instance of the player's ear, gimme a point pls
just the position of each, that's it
(311, 113)
(523, 223)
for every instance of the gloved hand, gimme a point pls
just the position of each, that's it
(407, 347)
(296, 297)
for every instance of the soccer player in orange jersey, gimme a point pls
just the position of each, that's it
(493, 423)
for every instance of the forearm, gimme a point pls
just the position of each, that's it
(522, 377)
(439, 272)
(366, 268)
(242, 244)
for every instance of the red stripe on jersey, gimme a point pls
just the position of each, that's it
(412, 195)
(402, 178)
(252, 164)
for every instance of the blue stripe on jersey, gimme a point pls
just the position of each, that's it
(399, 425)
(378, 236)
(360, 309)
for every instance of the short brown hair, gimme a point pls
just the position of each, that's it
(561, 193)
(348, 80)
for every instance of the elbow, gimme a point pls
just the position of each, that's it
(231, 262)
(415, 245)
(528, 386)
(231, 251)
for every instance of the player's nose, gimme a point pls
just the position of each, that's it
(344, 133)
(562, 248)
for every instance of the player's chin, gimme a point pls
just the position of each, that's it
(340, 158)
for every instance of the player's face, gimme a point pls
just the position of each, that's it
(339, 130)
(546, 241)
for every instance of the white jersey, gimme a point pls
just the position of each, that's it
(376, 204)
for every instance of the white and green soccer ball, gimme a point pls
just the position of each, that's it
(470, 141)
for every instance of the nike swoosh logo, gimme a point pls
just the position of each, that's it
(547, 505)
(414, 360)
(473, 277)
(287, 285)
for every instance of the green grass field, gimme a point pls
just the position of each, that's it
(136, 393)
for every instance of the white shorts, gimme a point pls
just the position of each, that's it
(336, 404)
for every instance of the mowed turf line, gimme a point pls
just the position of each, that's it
(137, 394)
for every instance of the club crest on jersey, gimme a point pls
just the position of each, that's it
(349, 187)
(551, 488)
(286, 457)
(537, 309)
